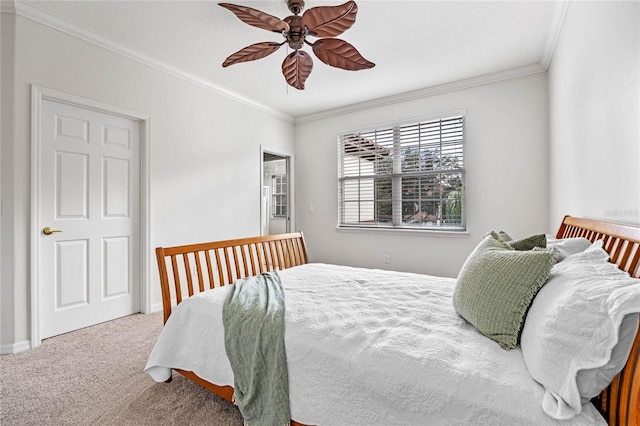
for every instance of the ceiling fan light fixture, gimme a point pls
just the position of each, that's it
(326, 22)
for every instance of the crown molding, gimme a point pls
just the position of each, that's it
(37, 15)
(426, 92)
(554, 33)
(545, 61)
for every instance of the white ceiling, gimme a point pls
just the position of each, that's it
(415, 45)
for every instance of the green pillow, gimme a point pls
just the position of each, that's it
(538, 240)
(496, 286)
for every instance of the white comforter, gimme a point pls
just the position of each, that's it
(370, 347)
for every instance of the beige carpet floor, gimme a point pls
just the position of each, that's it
(95, 376)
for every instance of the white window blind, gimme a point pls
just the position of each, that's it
(405, 176)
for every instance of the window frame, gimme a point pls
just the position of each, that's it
(275, 196)
(400, 147)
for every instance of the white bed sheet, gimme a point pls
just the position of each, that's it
(370, 347)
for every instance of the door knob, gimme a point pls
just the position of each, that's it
(47, 230)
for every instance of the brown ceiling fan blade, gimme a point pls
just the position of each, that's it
(251, 53)
(296, 67)
(340, 54)
(329, 21)
(257, 18)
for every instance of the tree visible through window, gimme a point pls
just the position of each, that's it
(279, 195)
(405, 176)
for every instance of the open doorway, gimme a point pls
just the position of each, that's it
(276, 199)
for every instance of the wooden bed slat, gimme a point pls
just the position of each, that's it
(634, 262)
(176, 276)
(283, 253)
(218, 268)
(199, 272)
(291, 251)
(187, 271)
(207, 257)
(266, 250)
(225, 252)
(272, 252)
(253, 256)
(261, 257)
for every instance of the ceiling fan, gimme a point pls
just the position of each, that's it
(325, 22)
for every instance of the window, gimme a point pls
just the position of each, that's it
(279, 195)
(408, 176)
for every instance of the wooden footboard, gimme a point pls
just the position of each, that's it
(620, 402)
(189, 269)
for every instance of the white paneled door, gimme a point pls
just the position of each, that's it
(89, 216)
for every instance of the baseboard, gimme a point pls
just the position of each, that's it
(15, 348)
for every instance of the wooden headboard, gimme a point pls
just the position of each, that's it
(620, 402)
(198, 267)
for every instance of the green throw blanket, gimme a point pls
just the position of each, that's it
(253, 318)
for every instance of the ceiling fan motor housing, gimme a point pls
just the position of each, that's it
(296, 34)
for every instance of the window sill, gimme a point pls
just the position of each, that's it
(400, 231)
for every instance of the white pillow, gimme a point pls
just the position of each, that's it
(580, 329)
(565, 247)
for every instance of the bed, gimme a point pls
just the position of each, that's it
(406, 373)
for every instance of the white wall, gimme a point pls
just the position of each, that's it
(594, 94)
(277, 225)
(6, 187)
(204, 174)
(506, 156)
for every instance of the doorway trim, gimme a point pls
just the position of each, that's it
(291, 225)
(38, 94)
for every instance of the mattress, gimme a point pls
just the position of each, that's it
(370, 347)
